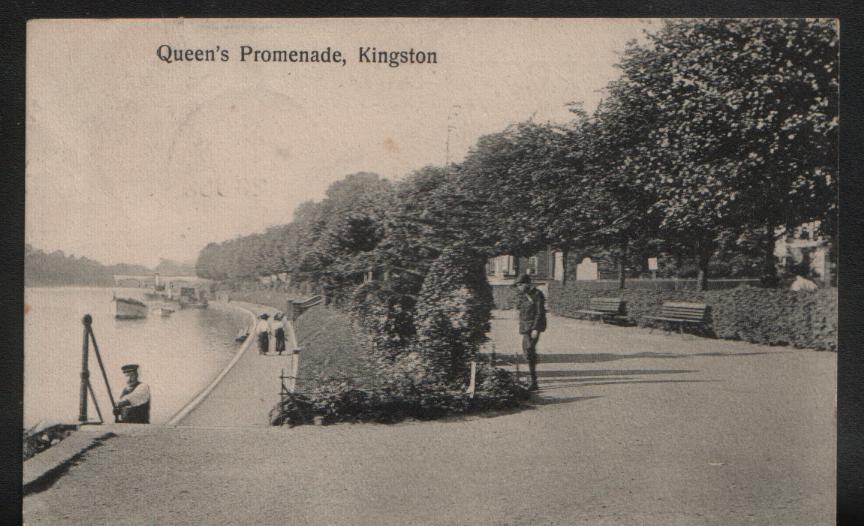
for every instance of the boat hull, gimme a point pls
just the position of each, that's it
(129, 309)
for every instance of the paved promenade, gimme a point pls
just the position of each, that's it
(248, 391)
(628, 428)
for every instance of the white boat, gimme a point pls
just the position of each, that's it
(166, 311)
(129, 309)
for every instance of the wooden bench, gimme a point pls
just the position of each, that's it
(683, 314)
(605, 309)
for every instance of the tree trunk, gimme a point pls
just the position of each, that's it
(704, 250)
(769, 263)
(622, 265)
(564, 254)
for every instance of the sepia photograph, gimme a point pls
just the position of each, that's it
(431, 271)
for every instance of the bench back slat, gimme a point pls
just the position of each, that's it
(685, 311)
(613, 305)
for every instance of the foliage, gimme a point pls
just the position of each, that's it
(398, 398)
(737, 126)
(453, 312)
(56, 268)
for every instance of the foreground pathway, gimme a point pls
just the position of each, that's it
(628, 428)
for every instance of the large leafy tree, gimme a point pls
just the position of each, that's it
(743, 127)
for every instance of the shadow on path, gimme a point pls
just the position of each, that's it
(541, 400)
(610, 372)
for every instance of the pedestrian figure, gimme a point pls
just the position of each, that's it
(532, 321)
(263, 330)
(134, 404)
(279, 333)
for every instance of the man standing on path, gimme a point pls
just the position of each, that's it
(532, 321)
(134, 404)
(263, 330)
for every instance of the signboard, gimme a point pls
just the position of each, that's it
(652, 263)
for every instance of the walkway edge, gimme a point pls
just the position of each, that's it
(188, 408)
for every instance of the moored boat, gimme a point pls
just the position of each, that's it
(129, 309)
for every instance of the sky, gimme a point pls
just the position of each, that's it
(130, 159)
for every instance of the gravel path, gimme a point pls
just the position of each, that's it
(628, 428)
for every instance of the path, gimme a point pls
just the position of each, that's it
(248, 391)
(628, 428)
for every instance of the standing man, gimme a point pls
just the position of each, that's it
(532, 321)
(134, 404)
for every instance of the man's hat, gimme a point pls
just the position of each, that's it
(524, 279)
(277, 316)
(264, 316)
(130, 368)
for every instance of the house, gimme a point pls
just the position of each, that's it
(548, 265)
(805, 249)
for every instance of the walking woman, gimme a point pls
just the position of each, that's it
(279, 318)
(263, 330)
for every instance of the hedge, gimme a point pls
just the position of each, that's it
(806, 319)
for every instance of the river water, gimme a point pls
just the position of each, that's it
(178, 355)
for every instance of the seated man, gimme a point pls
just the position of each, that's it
(134, 404)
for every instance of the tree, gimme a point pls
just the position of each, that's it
(743, 130)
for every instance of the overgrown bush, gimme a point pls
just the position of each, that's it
(806, 319)
(386, 318)
(453, 312)
(399, 397)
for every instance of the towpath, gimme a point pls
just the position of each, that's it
(628, 428)
(247, 392)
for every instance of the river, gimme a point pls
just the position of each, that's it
(178, 355)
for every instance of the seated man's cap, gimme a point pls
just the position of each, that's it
(523, 279)
(264, 316)
(129, 368)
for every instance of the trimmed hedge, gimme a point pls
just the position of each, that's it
(806, 319)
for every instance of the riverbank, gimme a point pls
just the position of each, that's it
(629, 427)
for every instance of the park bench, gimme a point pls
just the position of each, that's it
(683, 314)
(605, 309)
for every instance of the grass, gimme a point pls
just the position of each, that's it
(330, 345)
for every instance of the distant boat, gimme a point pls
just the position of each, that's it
(191, 298)
(154, 296)
(129, 309)
(165, 311)
(242, 335)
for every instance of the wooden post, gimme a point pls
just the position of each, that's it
(85, 372)
(472, 385)
(295, 368)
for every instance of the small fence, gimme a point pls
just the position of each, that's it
(293, 308)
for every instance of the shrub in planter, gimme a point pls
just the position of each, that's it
(400, 397)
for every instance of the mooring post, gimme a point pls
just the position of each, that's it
(85, 372)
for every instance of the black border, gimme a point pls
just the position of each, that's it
(15, 13)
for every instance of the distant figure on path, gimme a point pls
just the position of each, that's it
(263, 331)
(134, 404)
(279, 333)
(532, 321)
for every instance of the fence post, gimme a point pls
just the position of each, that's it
(472, 386)
(85, 372)
(295, 368)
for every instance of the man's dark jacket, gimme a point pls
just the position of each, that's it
(532, 311)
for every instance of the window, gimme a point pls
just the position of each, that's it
(532, 266)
